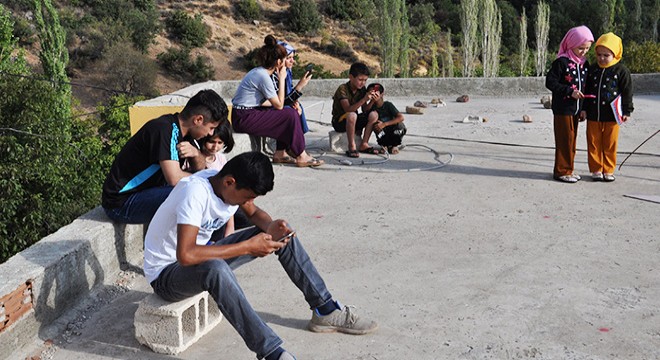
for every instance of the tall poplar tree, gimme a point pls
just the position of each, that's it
(523, 50)
(448, 58)
(469, 25)
(394, 34)
(542, 36)
(491, 37)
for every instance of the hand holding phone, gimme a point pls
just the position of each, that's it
(287, 236)
(309, 69)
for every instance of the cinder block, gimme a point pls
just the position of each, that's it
(339, 141)
(171, 327)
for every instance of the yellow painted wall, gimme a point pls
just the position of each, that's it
(139, 115)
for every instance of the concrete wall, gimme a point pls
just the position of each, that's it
(504, 87)
(63, 268)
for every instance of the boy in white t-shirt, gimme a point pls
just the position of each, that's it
(178, 263)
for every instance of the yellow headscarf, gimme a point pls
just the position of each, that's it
(613, 43)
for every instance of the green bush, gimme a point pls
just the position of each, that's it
(178, 63)
(115, 126)
(248, 10)
(319, 71)
(139, 17)
(93, 40)
(642, 58)
(189, 31)
(50, 173)
(127, 69)
(340, 49)
(350, 9)
(24, 31)
(304, 16)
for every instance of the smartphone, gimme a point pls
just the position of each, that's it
(287, 236)
(309, 69)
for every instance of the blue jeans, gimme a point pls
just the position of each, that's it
(140, 207)
(177, 282)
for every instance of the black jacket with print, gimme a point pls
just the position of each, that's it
(607, 84)
(564, 77)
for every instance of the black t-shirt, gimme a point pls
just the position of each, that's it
(386, 112)
(137, 166)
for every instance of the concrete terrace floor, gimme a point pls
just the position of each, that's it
(484, 258)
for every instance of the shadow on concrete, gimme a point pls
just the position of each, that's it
(116, 321)
(300, 324)
(66, 279)
(121, 232)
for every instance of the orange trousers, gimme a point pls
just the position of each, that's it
(602, 138)
(565, 127)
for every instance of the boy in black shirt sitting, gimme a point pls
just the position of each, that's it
(390, 128)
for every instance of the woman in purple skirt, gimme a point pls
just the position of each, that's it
(259, 110)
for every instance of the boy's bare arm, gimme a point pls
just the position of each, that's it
(372, 97)
(261, 219)
(189, 253)
(196, 160)
(172, 171)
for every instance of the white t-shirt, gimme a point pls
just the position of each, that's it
(255, 88)
(191, 202)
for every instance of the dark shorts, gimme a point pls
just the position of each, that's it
(361, 123)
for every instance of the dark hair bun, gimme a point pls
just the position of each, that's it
(270, 40)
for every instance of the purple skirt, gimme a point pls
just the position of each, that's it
(282, 125)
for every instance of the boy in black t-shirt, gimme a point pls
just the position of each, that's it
(149, 165)
(389, 129)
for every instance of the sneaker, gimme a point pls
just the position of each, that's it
(597, 176)
(343, 320)
(567, 179)
(287, 356)
(608, 177)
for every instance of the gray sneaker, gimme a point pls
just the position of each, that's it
(342, 320)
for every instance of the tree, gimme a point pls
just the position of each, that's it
(127, 70)
(542, 31)
(8, 45)
(54, 55)
(523, 50)
(469, 22)
(491, 37)
(394, 34)
(189, 31)
(448, 58)
(304, 16)
(50, 171)
(350, 9)
(435, 70)
(615, 21)
(404, 44)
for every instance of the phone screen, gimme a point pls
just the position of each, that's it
(286, 236)
(309, 69)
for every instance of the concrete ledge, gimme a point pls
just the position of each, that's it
(499, 87)
(170, 328)
(41, 283)
(62, 269)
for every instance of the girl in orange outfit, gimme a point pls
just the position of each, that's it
(610, 84)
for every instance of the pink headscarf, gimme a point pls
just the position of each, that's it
(574, 38)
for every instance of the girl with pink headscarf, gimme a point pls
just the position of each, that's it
(567, 79)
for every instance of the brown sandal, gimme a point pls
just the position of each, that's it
(284, 160)
(310, 163)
